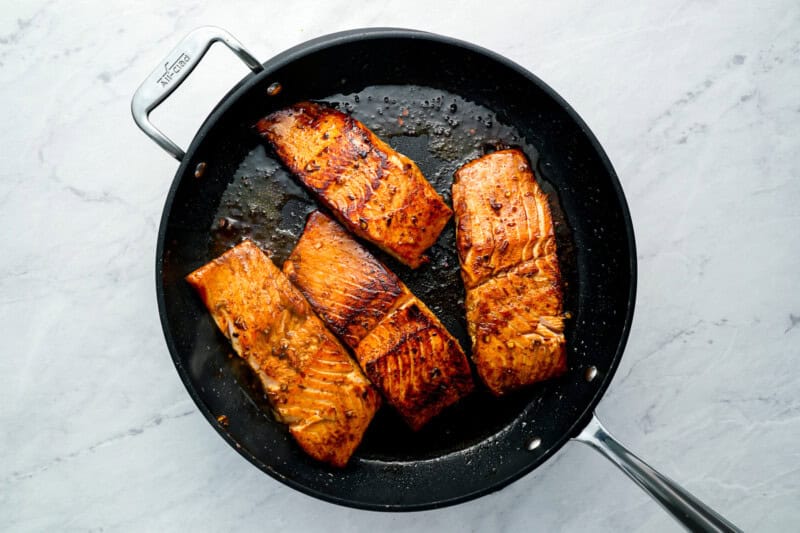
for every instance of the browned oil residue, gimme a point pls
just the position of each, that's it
(262, 203)
(274, 89)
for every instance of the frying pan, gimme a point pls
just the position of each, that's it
(484, 443)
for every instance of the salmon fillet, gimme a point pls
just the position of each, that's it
(377, 193)
(507, 250)
(415, 362)
(403, 348)
(311, 382)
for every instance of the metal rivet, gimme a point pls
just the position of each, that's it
(274, 89)
(534, 443)
(199, 170)
(591, 373)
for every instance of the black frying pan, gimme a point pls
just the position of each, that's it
(442, 102)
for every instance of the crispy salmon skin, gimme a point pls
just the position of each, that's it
(507, 251)
(377, 193)
(312, 384)
(403, 348)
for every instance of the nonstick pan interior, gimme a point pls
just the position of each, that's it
(442, 103)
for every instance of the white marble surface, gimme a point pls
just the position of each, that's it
(698, 106)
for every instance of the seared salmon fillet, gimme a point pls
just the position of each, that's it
(312, 384)
(415, 362)
(377, 193)
(507, 250)
(403, 348)
(345, 284)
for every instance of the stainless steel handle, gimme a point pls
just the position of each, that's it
(693, 514)
(172, 71)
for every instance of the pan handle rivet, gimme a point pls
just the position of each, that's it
(591, 373)
(534, 443)
(199, 170)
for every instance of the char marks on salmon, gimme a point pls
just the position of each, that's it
(377, 193)
(403, 348)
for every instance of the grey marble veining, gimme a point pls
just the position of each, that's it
(697, 106)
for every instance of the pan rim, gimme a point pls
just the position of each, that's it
(328, 41)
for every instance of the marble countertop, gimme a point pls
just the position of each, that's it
(697, 106)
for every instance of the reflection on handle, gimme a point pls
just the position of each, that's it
(172, 71)
(693, 514)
